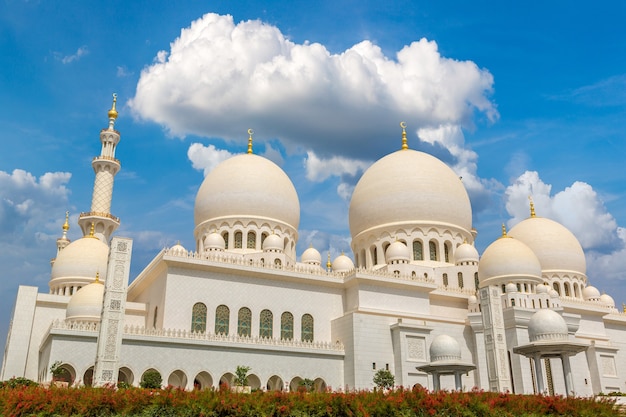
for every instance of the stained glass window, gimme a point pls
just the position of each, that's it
(251, 240)
(418, 253)
(198, 318)
(286, 326)
(244, 322)
(446, 252)
(238, 240)
(222, 320)
(225, 236)
(266, 324)
(307, 328)
(432, 247)
(460, 276)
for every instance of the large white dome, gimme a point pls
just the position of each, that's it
(508, 260)
(556, 247)
(409, 187)
(247, 186)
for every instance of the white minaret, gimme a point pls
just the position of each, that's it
(105, 166)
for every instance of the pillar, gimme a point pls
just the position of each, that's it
(567, 374)
(539, 374)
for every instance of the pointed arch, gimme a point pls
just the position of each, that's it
(266, 324)
(222, 320)
(307, 328)
(198, 318)
(244, 322)
(286, 326)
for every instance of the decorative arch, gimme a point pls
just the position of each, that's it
(460, 279)
(275, 383)
(432, 249)
(125, 375)
(203, 381)
(238, 239)
(251, 240)
(177, 379)
(226, 381)
(418, 250)
(198, 318)
(446, 252)
(222, 320)
(88, 377)
(244, 322)
(67, 374)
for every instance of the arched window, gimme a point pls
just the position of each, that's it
(263, 236)
(432, 247)
(286, 326)
(222, 319)
(266, 323)
(446, 252)
(307, 328)
(277, 263)
(238, 240)
(476, 282)
(557, 288)
(251, 240)
(418, 251)
(225, 236)
(154, 319)
(566, 289)
(244, 322)
(445, 280)
(375, 257)
(198, 318)
(460, 279)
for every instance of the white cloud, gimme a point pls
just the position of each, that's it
(122, 72)
(577, 207)
(206, 158)
(320, 169)
(218, 74)
(68, 59)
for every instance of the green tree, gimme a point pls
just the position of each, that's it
(241, 375)
(383, 379)
(151, 379)
(306, 385)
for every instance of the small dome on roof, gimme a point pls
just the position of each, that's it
(342, 264)
(591, 293)
(547, 324)
(465, 253)
(86, 303)
(553, 293)
(444, 348)
(178, 248)
(542, 289)
(607, 300)
(472, 299)
(214, 241)
(511, 287)
(273, 243)
(397, 251)
(311, 256)
(507, 260)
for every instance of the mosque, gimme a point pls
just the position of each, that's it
(416, 298)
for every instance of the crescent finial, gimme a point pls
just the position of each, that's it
(250, 132)
(403, 125)
(404, 141)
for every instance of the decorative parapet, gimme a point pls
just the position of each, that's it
(189, 335)
(210, 337)
(596, 304)
(457, 290)
(99, 214)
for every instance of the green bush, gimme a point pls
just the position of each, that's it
(18, 382)
(383, 379)
(151, 379)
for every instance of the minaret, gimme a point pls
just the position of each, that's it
(105, 166)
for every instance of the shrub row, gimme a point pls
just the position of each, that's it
(25, 400)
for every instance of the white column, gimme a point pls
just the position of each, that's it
(436, 381)
(567, 374)
(539, 374)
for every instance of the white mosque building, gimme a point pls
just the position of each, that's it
(417, 300)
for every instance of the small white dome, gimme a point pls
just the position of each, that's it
(591, 293)
(547, 324)
(511, 287)
(397, 251)
(178, 248)
(465, 253)
(86, 303)
(311, 256)
(542, 289)
(472, 299)
(607, 300)
(273, 243)
(82, 260)
(507, 260)
(214, 242)
(444, 348)
(342, 264)
(553, 293)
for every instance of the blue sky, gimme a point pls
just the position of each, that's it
(519, 99)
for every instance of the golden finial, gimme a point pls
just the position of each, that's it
(92, 230)
(624, 307)
(250, 133)
(66, 225)
(404, 141)
(113, 112)
(329, 265)
(532, 206)
(97, 281)
(504, 230)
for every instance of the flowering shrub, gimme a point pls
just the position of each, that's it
(98, 402)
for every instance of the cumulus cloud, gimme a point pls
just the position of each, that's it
(578, 207)
(348, 170)
(206, 158)
(218, 74)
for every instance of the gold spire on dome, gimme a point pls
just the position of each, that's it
(532, 207)
(113, 111)
(92, 230)
(250, 133)
(504, 231)
(329, 265)
(97, 281)
(405, 145)
(66, 225)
